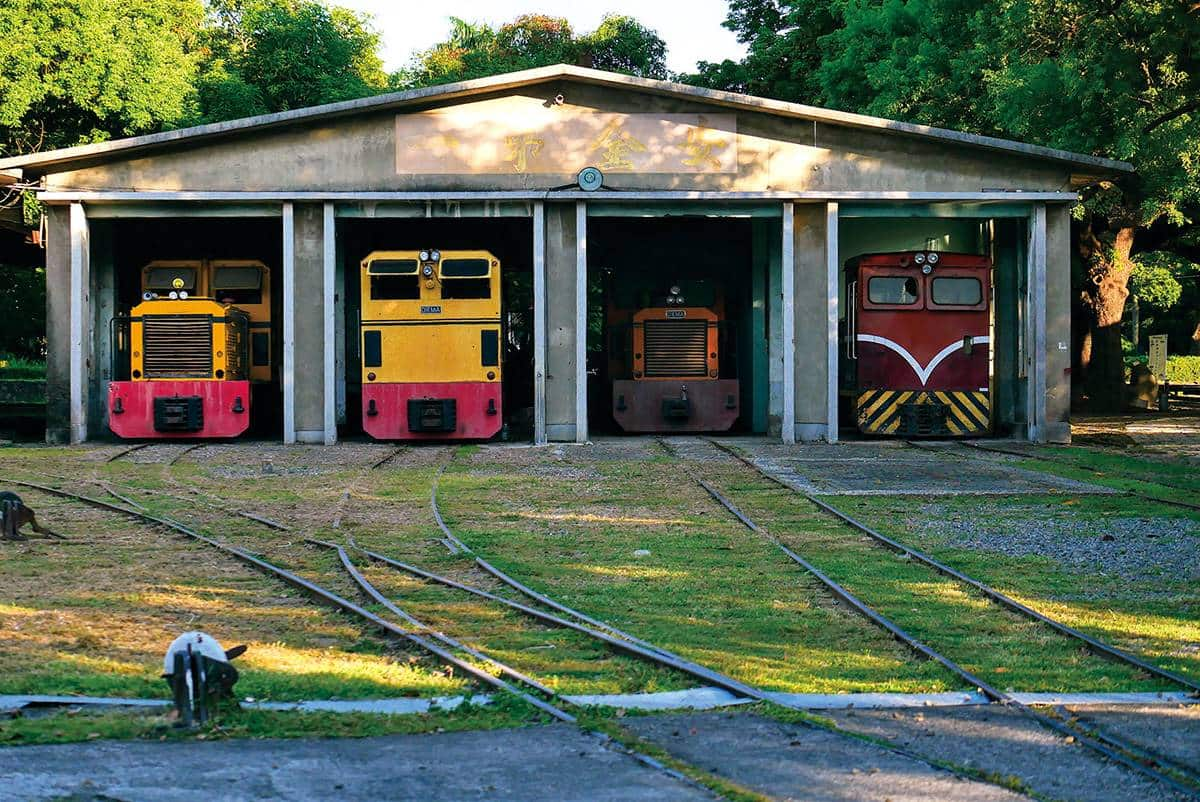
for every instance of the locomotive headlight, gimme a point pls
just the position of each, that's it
(436, 256)
(675, 290)
(174, 296)
(424, 256)
(148, 296)
(427, 271)
(919, 258)
(933, 258)
(183, 295)
(679, 300)
(927, 269)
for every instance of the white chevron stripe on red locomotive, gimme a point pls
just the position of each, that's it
(923, 373)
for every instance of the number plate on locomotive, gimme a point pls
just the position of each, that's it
(431, 310)
(676, 313)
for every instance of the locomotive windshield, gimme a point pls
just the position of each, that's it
(237, 285)
(956, 291)
(900, 290)
(163, 278)
(466, 268)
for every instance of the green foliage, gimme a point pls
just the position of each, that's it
(477, 50)
(1183, 369)
(273, 55)
(1155, 279)
(23, 299)
(78, 71)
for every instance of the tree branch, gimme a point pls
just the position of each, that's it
(1171, 115)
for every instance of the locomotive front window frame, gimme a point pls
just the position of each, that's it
(392, 267)
(465, 268)
(243, 284)
(870, 301)
(978, 303)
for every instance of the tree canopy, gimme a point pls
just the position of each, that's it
(1119, 79)
(476, 50)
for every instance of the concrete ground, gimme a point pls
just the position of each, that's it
(557, 763)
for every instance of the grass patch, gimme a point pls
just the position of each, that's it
(15, 367)
(1160, 478)
(69, 726)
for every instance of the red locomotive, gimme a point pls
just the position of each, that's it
(916, 356)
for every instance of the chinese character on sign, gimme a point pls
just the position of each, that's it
(1158, 356)
(615, 146)
(521, 149)
(700, 151)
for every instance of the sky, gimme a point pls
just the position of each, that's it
(691, 28)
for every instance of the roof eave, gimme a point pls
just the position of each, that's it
(42, 163)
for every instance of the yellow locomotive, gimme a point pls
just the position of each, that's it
(199, 337)
(431, 345)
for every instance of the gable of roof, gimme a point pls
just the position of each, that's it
(56, 160)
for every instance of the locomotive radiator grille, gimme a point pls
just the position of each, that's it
(676, 348)
(177, 347)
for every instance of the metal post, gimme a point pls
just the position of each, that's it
(787, 267)
(1036, 383)
(289, 324)
(581, 323)
(831, 310)
(80, 313)
(539, 323)
(328, 279)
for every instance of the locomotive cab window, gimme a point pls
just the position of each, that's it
(466, 278)
(956, 291)
(162, 279)
(237, 285)
(394, 280)
(896, 290)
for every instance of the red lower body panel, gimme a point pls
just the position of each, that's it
(131, 408)
(476, 410)
(667, 405)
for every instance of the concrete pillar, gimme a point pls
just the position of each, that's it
(811, 315)
(1057, 426)
(102, 267)
(539, 323)
(1035, 324)
(312, 325)
(58, 325)
(80, 321)
(561, 346)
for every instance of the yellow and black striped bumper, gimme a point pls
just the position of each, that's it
(912, 413)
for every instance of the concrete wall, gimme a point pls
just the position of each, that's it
(1058, 324)
(310, 323)
(560, 321)
(772, 153)
(812, 340)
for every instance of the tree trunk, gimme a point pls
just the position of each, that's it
(1105, 256)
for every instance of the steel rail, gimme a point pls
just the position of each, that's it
(368, 588)
(129, 450)
(365, 585)
(188, 450)
(996, 696)
(105, 484)
(312, 589)
(1142, 753)
(659, 656)
(518, 586)
(1080, 466)
(1095, 645)
(380, 463)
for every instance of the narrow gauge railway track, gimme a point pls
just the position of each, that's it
(1120, 750)
(125, 451)
(456, 545)
(185, 452)
(1068, 463)
(1106, 746)
(108, 488)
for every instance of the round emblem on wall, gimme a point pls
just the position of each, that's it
(590, 179)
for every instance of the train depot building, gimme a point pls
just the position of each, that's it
(442, 262)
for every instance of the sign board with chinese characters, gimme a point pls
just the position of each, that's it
(484, 139)
(1158, 356)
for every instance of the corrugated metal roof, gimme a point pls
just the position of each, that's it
(57, 160)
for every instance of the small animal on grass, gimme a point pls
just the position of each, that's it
(199, 671)
(14, 514)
